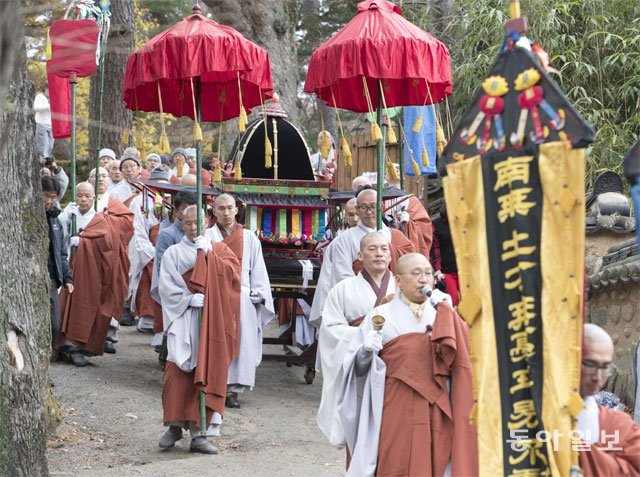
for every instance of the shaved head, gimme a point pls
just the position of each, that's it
(224, 198)
(365, 195)
(84, 187)
(351, 202)
(597, 358)
(596, 334)
(189, 180)
(359, 182)
(411, 260)
(373, 237)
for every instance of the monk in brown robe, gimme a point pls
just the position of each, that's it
(416, 225)
(405, 393)
(86, 314)
(193, 277)
(611, 440)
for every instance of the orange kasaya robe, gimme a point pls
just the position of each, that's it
(205, 178)
(422, 427)
(85, 312)
(419, 229)
(145, 305)
(624, 457)
(120, 220)
(400, 245)
(216, 275)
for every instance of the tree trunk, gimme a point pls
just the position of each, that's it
(271, 24)
(115, 118)
(24, 300)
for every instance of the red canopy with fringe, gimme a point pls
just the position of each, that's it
(379, 44)
(197, 47)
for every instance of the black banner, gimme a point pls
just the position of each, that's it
(513, 207)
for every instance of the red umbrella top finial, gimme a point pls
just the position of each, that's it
(379, 5)
(197, 9)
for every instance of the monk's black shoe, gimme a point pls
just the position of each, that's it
(127, 318)
(109, 348)
(78, 359)
(202, 446)
(232, 402)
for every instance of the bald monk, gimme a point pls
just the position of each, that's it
(606, 454)
(344, 261)
(255, 302)
(405, 392)
(347, 304)
(103, 186)
(191, 280)
(412, 217)
(86, 314)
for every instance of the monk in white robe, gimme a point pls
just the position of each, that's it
(181, 309)
(405, 392)
(256, 301)
(344, 261)
(347, 304)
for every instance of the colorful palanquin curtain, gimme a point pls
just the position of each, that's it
(515, 199)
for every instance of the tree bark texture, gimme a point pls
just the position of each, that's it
(24, 298)
(271, 24)
(115, 117)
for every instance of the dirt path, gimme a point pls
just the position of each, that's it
(113, 420)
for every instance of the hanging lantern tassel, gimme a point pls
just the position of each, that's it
(441, 142)
(138, 140)
(217, 173)
(125, 137)
(325, 146)
(425, 157)
(376, 134)
(391, 171)
(346, 153)
(165, 148)
(391, 136)
(416, 168)
(417, 125)
(242, 120)
(238, 171)
(197, 132)
(268, 152)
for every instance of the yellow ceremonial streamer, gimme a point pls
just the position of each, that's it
(464, 195)
(562, 177)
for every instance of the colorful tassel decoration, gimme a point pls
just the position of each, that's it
(425, 157)
(242, 120)
(125, 137)
(376, 134)
(217, 173)
(416, 168)
(197, 132)
(441, 141)
(179, 168)
(138, 141)
(391, 171)
(268, 152)
(391, 136)
(165, 148)
(238, 171)
(346, 153)
(417, 125)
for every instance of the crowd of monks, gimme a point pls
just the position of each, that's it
(392, 350)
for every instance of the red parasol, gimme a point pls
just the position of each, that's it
(197, 47)
(379, 44)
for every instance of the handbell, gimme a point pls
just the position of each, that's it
(377, 322)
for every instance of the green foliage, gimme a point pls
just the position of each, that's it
(595, 45)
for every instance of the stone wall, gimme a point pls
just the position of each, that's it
(613, 302)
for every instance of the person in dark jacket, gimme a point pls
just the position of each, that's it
(443, 256)
(58, 262)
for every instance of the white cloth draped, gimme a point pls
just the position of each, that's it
(347, 301)
(181, 323)
(242, 371)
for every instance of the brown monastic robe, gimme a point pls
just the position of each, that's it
(625, 462)
(216, 275)
(380, 295)
(120, 220)
(419, 230)
(400, 245)
(421, 430)
(85, 313)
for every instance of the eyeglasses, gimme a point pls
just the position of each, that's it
(366, 208)
(417, 274)
(590, 367)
